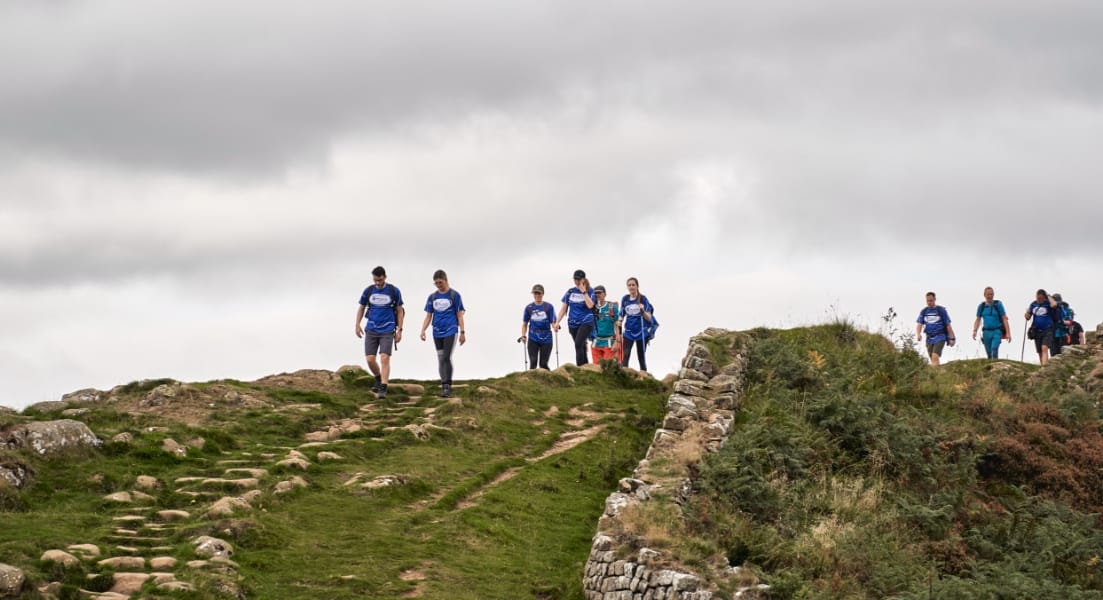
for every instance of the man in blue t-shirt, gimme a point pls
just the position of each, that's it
(1042, 311)
(444, 309)
(536, 328)
(578, 309)
(994, 318)
(382, 304)
(935, 322)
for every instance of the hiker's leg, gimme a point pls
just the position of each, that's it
(626, 354)
(641, 346)
(386, 346)
(991, 341)
(534, 353)
(545, 356)
(581, 336)
(371, 348)
(445, 346)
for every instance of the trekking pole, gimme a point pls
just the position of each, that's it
(524, 352)
(557, 349)
(1022, 353)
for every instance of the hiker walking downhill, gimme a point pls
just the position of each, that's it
(536, 329)
(381, 302)
(577, 308)
(1062, 317)
(993, 317)
(607, 337)
(444, 309)
(636, 314)
(935, 322)
(1041, 330)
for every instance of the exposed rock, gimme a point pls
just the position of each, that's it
(47, 438)
(7, 410)
(411, 389)
(255, 473)
(85, 550)
(123, 438)
(60, 557)
(146, 482)
(162, 563)
(286, 486)
(129, 584)
(327, 456)
(486, 390)
(384, 481)
(121, 497)
(161, 395)
(325, 435)
(47, 406)
(176, 586)
(246, 483)
(85, 395)
(174, 448)
(210, 547)
(173, 515)
(11, 581)
(296, 462)
(75, 412)
(226, 506)
(15, 474)
(196, 442)
(123, 562)
(141, 496)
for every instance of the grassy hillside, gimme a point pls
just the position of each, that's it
(857, 471)
(495, 494)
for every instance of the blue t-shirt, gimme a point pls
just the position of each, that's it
(1043, 315)
(540, 318)
(606, 327)
(934, 322)
(381, 303)
(444, 307)
(577, 311)
(635, 326)
(992, 314)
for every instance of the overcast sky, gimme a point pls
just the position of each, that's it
(199, 190)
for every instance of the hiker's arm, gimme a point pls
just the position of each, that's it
(399, 317)
(951, 337)
(359, 317)
(425, 324)
(562, 313)
(459, 319)
(976, 324)
(524, 331)
(1007, 328)
(919, 331)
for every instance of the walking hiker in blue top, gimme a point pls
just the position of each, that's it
(578, 309)
(444, 309)
(1062, 318)
(536, 328)
(383, 304)
(1041, 311)
(637, 313)
(935, 322)
(994, 318)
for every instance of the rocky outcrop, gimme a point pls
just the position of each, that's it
(11, 581)
(14, 474)
(699, 417)
(47, 438)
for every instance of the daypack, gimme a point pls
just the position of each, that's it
(651, 327)
(609, 315)
(998, 307)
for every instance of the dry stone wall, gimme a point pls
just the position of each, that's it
(699, 417)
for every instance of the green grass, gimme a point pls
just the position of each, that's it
(525, 537)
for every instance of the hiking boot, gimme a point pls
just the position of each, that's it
(446, 390)
(382, 393)
(376, 386)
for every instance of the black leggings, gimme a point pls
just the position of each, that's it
(581, 335)
(445, 346)
(642, 345)
(541, 351)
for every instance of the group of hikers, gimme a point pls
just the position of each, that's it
(1052, 321)
(614, 330)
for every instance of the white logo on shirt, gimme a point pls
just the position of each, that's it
(578, 298)
(1041, 311)
(632, 309)
(442, 304)
(539, 315)
(379, 299)
(932, 319)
